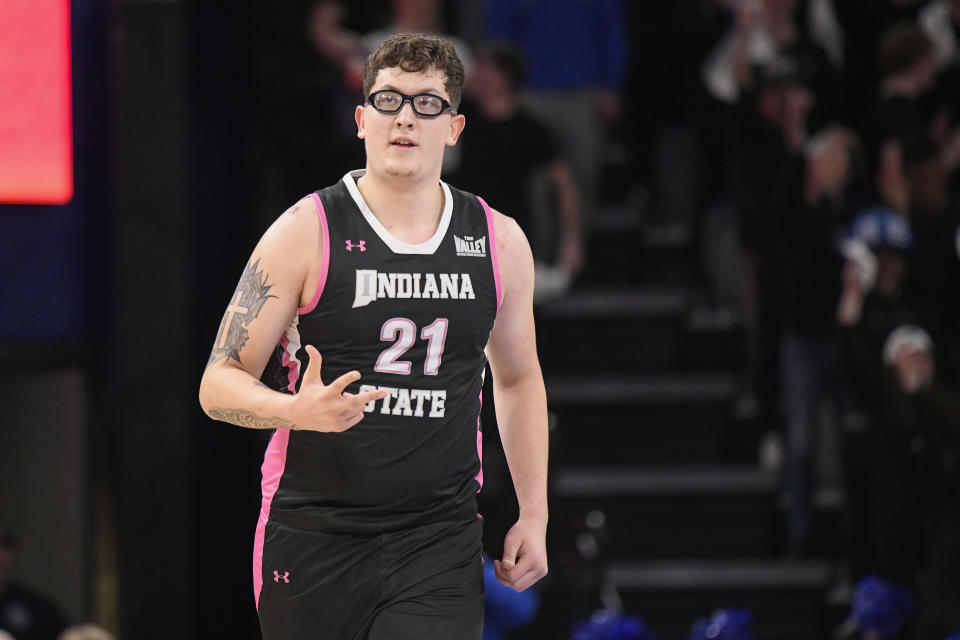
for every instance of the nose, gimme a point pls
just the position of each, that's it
(406, 116)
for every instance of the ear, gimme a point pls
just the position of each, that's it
(456, 128)
(358, 116)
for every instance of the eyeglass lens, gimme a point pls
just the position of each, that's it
(424, 104)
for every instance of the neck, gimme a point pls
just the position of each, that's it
(499, 107)
(781, 29)
(901, 85)
(409, 208)
(416, 23)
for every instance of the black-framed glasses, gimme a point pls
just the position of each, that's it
(425, 105)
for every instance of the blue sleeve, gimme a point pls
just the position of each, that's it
(502, 19)
(613, 38)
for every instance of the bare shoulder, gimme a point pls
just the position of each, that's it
(514, 257)
(291, 248)
(295, 225)
(512, 244)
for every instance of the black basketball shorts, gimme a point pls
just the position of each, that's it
(424, 583)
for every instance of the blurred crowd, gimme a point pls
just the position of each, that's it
(811, 146)
(843, 121)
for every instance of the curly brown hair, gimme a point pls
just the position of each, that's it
(417, 53)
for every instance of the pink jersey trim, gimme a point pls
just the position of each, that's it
(479, 476)
(493, 250)
(326, 257)
(274, 461)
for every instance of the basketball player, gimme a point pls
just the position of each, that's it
(404, 285)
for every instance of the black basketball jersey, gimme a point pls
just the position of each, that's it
(414, 320)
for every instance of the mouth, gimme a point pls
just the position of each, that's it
(403, 143)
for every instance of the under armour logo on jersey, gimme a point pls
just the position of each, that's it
(362, 245)
(285, 577)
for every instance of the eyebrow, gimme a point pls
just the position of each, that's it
(431, 90)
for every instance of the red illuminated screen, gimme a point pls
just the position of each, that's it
(36, 134)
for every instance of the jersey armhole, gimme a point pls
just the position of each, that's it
(325, 267)
(493, 250)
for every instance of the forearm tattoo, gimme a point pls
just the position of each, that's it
(248, 419)
(252, 293)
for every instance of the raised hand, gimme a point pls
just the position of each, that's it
(328, 408)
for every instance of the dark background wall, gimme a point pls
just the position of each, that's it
(43, 477)
(131, 506)
(56, 317)
(154, 422)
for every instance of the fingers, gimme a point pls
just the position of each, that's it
(311, 375)
(523, 575)
(354, 410)
(524, 559)
(501, 573)
(340, 384)
(528, 581)
(526, 572)
(348, 408)
(511, 546)
(368, 396)
(511, 575)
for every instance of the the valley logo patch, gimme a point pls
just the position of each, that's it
(467, 246)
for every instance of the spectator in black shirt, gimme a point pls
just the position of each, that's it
(816, 192)
(772, 130)
(908, 60)
(768, 38)
(912, 475)
(870, 308)
(863, 23)
(933, 283)
(871, 299)
(314, 79)
(506, 148)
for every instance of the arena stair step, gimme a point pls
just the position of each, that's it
(611, 330)
(787, 599)
(636, 329)
(620, 251)
(693, 512)
(667, 388)
(655, 419)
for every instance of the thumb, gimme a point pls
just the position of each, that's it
(511, 546)
(311, 374)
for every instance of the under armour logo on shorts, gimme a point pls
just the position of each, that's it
(360, 245)
(285, 576)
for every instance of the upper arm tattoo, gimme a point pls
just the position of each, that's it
(252, 293)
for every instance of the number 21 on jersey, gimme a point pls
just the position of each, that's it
(402, 332)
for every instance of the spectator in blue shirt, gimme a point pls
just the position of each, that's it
(576, 54)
